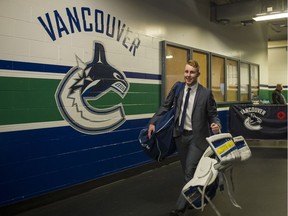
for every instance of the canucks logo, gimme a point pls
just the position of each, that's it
(88, 82)
(253, 122)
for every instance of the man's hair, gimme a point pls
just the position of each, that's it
(194, 64)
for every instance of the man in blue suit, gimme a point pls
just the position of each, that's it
(193, 122)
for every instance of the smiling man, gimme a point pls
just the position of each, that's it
(195, 116)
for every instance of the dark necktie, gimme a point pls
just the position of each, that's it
(184, 110)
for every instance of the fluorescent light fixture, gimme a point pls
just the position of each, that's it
(169, 56)
(263, 17)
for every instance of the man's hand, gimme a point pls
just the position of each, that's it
(151, 130)
(215, 128)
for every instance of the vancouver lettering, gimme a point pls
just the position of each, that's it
(253, 110)
(86, 19)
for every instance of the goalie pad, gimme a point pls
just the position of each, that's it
(224, 148)
(223, 151)
(242, 147)
(202, 187)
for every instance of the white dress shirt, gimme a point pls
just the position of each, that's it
(188, 119)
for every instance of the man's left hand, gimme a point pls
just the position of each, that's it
(215, 128)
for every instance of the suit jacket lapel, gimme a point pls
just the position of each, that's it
(179, 100)
(198, 92)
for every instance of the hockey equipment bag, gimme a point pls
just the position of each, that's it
(161, 143)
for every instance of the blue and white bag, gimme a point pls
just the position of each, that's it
(161, 143)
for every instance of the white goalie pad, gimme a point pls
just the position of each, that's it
(223, 152)
(224, 148)
(202, 186)
(242, 147)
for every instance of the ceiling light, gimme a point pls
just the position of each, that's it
(270, 16)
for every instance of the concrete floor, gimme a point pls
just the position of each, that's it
(260, 188)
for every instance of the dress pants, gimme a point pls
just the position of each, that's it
(189, 155)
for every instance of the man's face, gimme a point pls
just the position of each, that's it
(279, 87)
(190, 75)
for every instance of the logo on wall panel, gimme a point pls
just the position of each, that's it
(253, 122)
(88, 82)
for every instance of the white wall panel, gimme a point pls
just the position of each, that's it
(29, 31)
(8, 7)
(278, 66)
(14, 46)
(180, 22)
(44, 50)
(7, 26)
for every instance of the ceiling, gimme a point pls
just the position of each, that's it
(241, 12)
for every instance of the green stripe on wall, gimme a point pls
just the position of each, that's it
(28, 100)
(266, 94)
(141, 98)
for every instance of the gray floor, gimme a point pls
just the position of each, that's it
(260, 188)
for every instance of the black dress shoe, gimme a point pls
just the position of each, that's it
(176, 212)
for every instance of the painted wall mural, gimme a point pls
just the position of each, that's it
(90, 81)
(71, 112)
(87, 19)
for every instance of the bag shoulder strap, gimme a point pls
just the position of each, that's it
(178, 88)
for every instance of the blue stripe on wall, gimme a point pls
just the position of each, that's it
(35, 162)
(138, 75)
(272, 86)
(39, 161)
(37, 67)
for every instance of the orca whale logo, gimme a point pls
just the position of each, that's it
(89, 82)
(253, 122)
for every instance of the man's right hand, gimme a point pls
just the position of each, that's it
(151, 130)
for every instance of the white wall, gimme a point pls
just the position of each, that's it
(188, 23)
(277, 63)
(183, 22)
